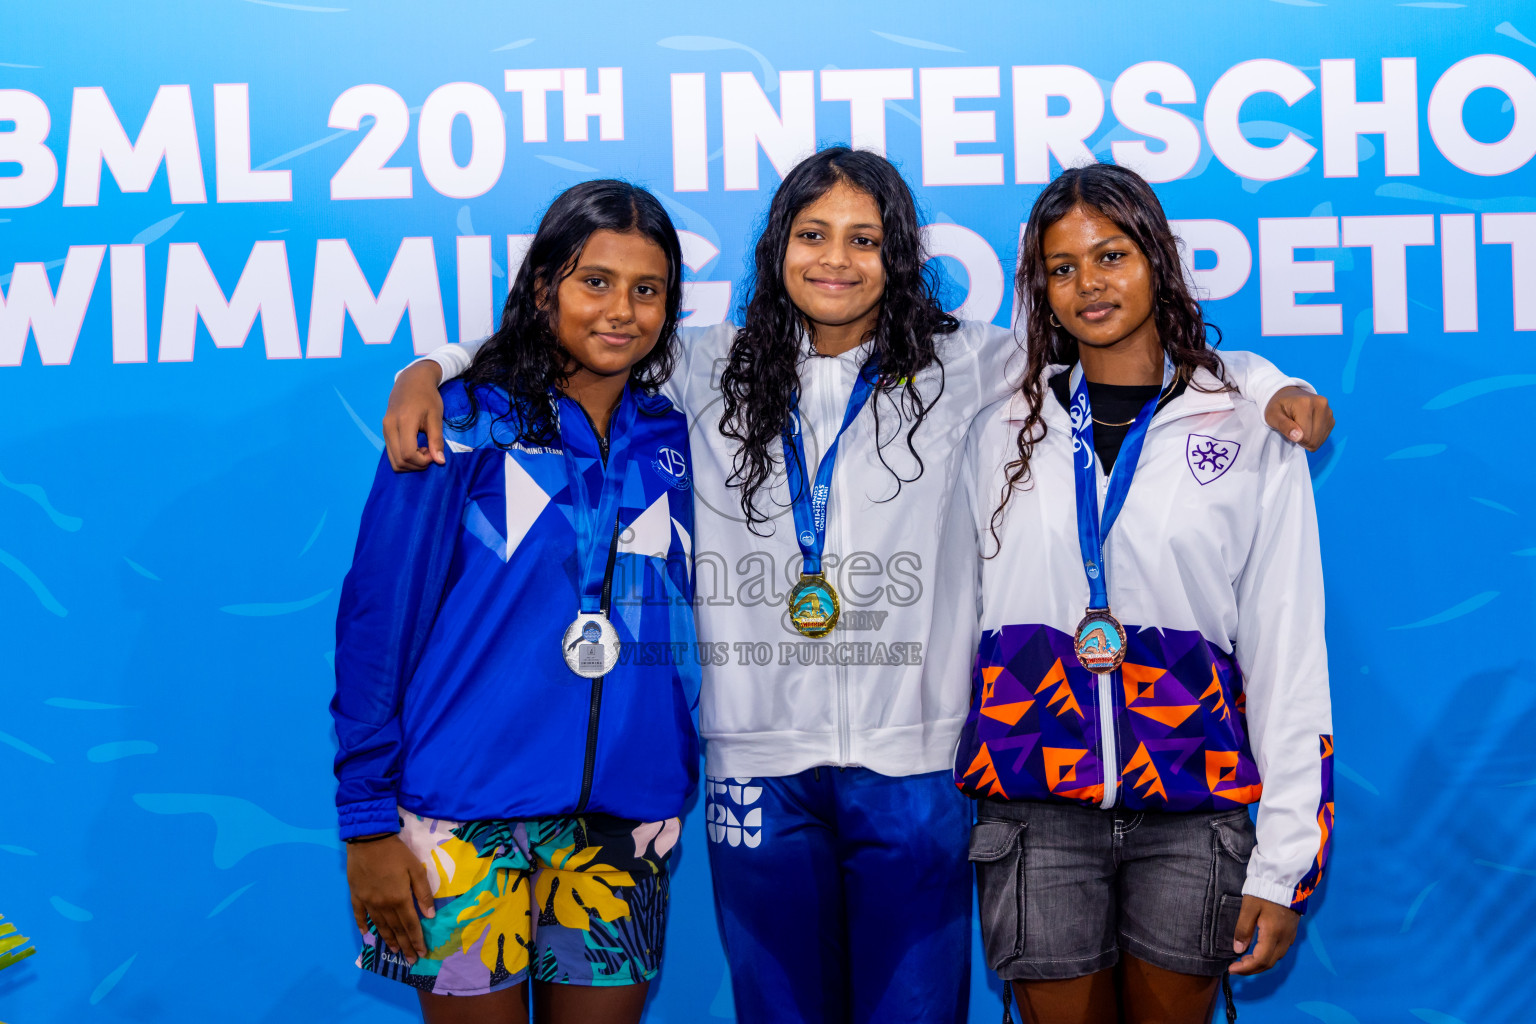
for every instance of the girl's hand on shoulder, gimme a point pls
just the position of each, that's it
(1298, 414)
(388, 883)
(1276, 927)
(415, 407)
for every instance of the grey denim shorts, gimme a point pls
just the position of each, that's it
(1065, 889)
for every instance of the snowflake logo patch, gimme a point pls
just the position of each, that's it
(1209, 457)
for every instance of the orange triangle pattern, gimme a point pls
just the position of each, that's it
(1308, 885)
(1325, 825)
(1061, 765)
(983, 759)
(1243, 794)
(983, 763)
(1221, 701)
(1008, 713)
(1138, 680)
(1150, 775)
(1220, 766)
(989, 681)
(1172, 717)
(1057, 677)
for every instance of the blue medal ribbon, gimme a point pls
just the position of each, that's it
(1092, 528)
(595, 526)
(810, 504)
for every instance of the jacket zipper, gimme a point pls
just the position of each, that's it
(1108, 754)
(589, 765)
(832, 420)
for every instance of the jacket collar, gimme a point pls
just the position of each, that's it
(1204, 395)
(857, 355)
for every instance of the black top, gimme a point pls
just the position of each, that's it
(1116, 403)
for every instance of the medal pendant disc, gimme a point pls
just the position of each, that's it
(1100, 641)
(591, 645)
(813, 606)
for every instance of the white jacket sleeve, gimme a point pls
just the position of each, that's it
(690, 341)
(1281, 648)
(970, 518)
(453, 358)
(1000, 360)
(1257, 378)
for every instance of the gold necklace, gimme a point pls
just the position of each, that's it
(1160, 397)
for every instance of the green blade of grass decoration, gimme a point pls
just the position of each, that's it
(13, 946)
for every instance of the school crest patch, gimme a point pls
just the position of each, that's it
(670, 465)
(1209, 457)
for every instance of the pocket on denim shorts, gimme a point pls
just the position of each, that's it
(997, 850)
(1232, 842)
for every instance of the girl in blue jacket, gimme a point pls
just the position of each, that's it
(514, 674)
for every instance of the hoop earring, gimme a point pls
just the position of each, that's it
(1054, 321)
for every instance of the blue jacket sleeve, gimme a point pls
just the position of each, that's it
(390, 598)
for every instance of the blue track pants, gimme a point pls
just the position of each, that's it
(844, 896)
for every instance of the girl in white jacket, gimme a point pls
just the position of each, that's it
(1151, 659)
(836, 837)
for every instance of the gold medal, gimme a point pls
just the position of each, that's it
(813, 606)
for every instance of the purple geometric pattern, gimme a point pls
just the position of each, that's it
(1180, 736)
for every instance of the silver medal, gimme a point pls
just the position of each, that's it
(591, 645)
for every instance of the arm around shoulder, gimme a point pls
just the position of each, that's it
(415, 409)
(1292, 407)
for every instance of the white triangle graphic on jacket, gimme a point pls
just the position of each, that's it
(651, 532)
(525, 500)
(687, 542)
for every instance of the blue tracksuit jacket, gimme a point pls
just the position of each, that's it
(452, 697)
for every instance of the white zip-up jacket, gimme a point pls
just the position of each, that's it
(1214, 571)
(889, 688)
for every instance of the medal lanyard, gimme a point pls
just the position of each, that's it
(810, 505)
(1091, 527)
(592, 542)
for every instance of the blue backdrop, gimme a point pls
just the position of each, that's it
(177, 508)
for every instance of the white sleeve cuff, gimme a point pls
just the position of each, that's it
(453, 360)
(1297, 382)
(1274, 892)
(1258, 379)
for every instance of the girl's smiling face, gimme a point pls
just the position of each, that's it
(833, 269)
(1098, 282)
(610, 309)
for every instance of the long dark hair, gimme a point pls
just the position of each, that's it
(761, 376)
(1124, 197)
(524, 357)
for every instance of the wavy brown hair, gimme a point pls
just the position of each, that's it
(1123, 196)
(762, 377)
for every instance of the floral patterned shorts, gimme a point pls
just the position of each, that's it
(575, 901)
